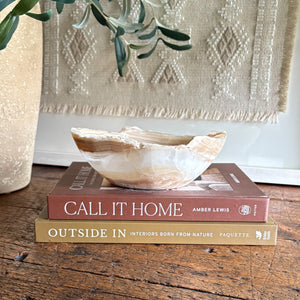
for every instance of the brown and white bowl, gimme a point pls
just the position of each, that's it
(141, 159)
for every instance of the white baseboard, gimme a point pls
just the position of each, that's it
(273, 175)
(256, 174)
(56, 158)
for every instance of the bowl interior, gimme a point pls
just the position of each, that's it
(158, 138)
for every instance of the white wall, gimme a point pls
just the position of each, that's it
(249, 145)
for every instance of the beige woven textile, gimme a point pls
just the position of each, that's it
(238, 68)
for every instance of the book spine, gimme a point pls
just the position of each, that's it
(156, 232)
(162, 209)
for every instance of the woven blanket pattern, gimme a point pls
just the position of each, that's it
(238, 68)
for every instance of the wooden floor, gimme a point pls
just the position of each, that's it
(30, 270)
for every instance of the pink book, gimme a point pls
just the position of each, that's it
(222, 193)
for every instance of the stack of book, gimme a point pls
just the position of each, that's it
(223, 206)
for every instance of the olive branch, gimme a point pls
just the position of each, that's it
(148, 34)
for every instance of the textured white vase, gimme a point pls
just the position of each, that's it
(20, 91)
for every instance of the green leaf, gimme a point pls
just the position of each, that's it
(84, 19)
(64, 1)
(145, 27)
(4, 3)
(174, 34)
(5, 26)
(23, 7)
(97, 5)
(148, 35)
(59, 7)
(41, 17)
(142, 12)
(147, 54)
(129, 27)
(137, 47)
(172, 46)
(98, 15)
(120, 54)
(125, 67)
(7, 29)
(126, 9)
(177, 47)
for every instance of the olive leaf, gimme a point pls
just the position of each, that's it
(125, 66)
(41, 17)
(59, 7)
(141, 46)
(83, 22)
(129, 27)
(7, 28)
(64, 1)
(149, 35)
(11, 21)
(23, 7)
(97, 4)
(174, 34)
(177, 47)
(4, 3)
(137, 47)
(142, 12)
(98, 13)
(120, 54)
(170, 45)
(126, 9)
(147, 54)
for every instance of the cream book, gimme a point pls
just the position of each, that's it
(155, 232)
